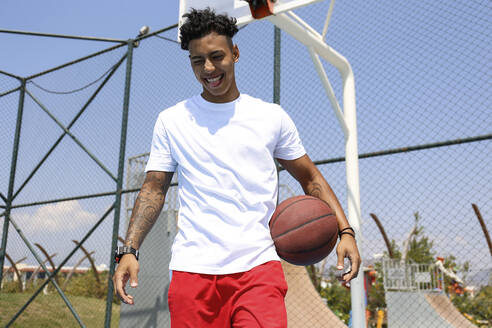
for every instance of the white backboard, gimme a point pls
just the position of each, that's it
(238, 8)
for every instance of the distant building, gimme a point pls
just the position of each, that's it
(26, 272)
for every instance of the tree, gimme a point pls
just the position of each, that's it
(421, 248)
(478, 307)
(394, 250)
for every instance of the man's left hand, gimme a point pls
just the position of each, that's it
(347, 248)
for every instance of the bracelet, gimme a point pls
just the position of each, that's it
(344, 232)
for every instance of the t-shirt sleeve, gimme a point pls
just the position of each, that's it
(289, 145)
(160, 158)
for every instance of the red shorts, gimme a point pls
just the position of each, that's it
(248, 299)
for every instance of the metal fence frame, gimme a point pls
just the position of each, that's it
(118, 192)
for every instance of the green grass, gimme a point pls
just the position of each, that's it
(50, 311)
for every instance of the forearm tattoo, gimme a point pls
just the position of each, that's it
(315, 190)
(146, 210)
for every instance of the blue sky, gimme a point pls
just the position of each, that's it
(106, 19)
(422, 75)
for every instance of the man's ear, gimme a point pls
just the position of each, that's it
(235, 53)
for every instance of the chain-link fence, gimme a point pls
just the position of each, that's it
(423, 81)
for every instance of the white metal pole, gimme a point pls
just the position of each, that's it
(316, 43)
(329, 91)
(328, 18)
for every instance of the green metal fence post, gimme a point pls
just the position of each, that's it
(276, 87)
(13, 167)
(276, 66)
(119, 183)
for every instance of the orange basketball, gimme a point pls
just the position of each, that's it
(304, 230)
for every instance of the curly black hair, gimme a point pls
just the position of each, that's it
(201, 22)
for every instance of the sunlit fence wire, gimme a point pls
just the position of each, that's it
(423, 81)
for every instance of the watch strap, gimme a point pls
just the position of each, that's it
(122, 250)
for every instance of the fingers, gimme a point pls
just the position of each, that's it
(127, 270)
(120, 279)
(355, 261)
(348, 249)
(355, 266)
(133, 277)
(340, 256)
(340, 264)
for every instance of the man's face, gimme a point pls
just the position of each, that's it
(212, 58)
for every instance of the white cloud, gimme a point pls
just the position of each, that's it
(57, 217)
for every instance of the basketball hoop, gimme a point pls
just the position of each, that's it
(261, 8)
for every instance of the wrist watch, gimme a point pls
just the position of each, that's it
(122, 250)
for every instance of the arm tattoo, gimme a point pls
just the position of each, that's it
(147, 208)
(315, 190)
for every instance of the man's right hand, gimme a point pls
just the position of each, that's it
(127, 270)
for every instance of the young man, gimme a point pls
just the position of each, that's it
(222, 144)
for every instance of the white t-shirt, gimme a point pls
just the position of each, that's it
(224, 155)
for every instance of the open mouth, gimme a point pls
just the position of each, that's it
(215, 81)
